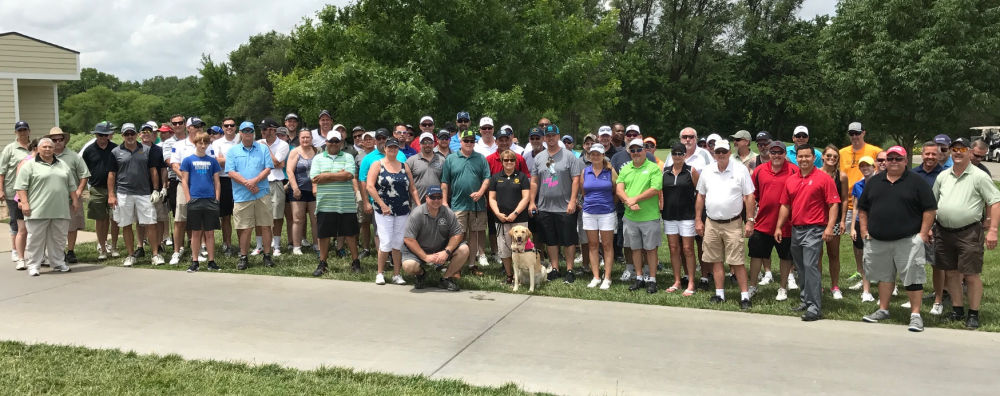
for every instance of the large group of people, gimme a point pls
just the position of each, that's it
(438, 200)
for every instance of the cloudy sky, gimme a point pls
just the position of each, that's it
(135, 40)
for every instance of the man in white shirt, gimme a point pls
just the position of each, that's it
(221, 146)
(696, 156)
(319, 134)
(487, 144)
(276, 180)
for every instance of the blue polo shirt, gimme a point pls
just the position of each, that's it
(929, 177)
(794, 158)
(408, 151)
(249, 162)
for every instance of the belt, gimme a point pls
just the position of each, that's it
(726, 221)
(959, 229)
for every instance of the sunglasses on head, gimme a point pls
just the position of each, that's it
(853, 133)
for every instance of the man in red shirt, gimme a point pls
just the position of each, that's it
(503, 139)
(811, 199)
(769, 185)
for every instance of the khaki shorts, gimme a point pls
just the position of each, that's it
(97, 205)
(364, 217)
(883, 260)
(503, 238)
(277, 197)
(723, 242)
(256, 213)
(180, 211)
(161, 211)
(76, 221)
(471, 220)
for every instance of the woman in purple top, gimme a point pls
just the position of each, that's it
(599, 219)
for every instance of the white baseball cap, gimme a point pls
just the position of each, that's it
(426, 118)
(485, 121)
(334, 134)
(597, 147)
(603, 130)
(635, 142)
(714, 136)
(425, 135)
(721, 143)
(633, 127)
(801, 129)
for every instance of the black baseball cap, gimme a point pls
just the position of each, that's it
(21, 125)
(382, 132)
(268, 123)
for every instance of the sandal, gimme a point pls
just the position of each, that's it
(671, 289)
(688, 293)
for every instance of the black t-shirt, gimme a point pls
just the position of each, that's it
(983, 167)
(99, 162)
(508, 189)
(678, 194)
(895, 210)
(156, 161)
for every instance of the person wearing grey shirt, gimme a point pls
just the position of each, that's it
(426, 166)
(434, 236)
(555, 184)
(131, 180)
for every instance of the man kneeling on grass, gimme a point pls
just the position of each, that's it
(201, 185)
(434, 236)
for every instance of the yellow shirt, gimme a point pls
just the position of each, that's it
(849, 163)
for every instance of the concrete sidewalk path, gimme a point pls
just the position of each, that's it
(548, 344)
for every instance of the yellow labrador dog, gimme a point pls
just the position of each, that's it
(526, 261)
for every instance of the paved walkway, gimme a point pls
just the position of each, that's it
(541, 343)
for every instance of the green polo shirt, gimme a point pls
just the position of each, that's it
(637, 180)
(48, 187)
(11, 155)
(335, 197)
(961, 199)
(76, 165)
(465, 175)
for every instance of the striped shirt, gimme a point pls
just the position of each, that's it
(335, 197)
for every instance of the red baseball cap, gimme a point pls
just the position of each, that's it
(165, 128)
(896, 150)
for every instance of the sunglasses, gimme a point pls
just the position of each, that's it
(677, 154)
(129, 134)
(535, 138)
(649, 146)
(434, 197)
(896, 159)
(543, 125)
(800, 136)
(509, 160)
(631, 134)
(248, 130)
(830, 156)
(381, 137)
(853, 133)
(776, 152)
(721, 151)
(176, 123)
(427, 124)
(685, 137)
(103, 136)
(880, 160)
(468, 141)
(334, 141)
(57, 140)
(486, 128)
(979, 157)
(229, 125)
(635, 150)
(959, 149)
(763, 143)
(463, 121)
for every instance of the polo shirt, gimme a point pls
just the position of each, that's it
(432, 232)
(407, 151)
(638, 179)
(849, 158)
(182, 149)
(555, 179)
(370, 158)
(425, 173)
(622, 157)
(168, 150)
(698, 160)
(598, 191)
(769, 186)
(749, 161)
(793, 157)
(201, 175)
(508, 189)
(337, 197)
(249, 162)
(497, 166)
(99, 162)
(724, 190)
(465, 175)
(895, 210)
(47, 186)
(928, 177)
(221, 146)
(131, 170)
(809, 197)
(155, 161)
(962, 199)
(678, 194)
(279, 149)
(78, 169)
(12, 155)
(483, 149)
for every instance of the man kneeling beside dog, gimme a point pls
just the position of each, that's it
(433, 238)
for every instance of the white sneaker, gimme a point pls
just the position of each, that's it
(782, 295)
(112, 251)
(483, 262)
(379, 279)
(255, 252)
(752, 290)
(33, 272)
(398, 280)
(791, 283)
(837, 295)
(905, 305)
(606, 284)
(857, 286)
(157, 260)
(169, 241)
(61, 268)
(129, 261)
(202, 259)
(101, 255)
(13, 256)
(767, 279)
(895, 290)
(204, 252)
(20, 265)
(578, 259)
(297, 251)
(175, 258)
(626, 275)
(594, 282)
(867, 297)
(276, 252)
(602, 262)
(937, 309)
(306, 243)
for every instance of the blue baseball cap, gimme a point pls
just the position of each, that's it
(215, 130)
(434, 190)
(462, 115)
(21, 125)
(246, 125)
(534, 131)
(567, 137)
(551, 129)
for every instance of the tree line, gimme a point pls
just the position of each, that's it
(907, 69)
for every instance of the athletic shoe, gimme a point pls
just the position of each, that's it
(243, 263)
(745, 304)
(421, 280)
(570, 277)
(114, 252)
(791, 282)
(716, 299)
(906, 304)
(782, 295)
(937, 309)
(139, 253)
(606, 284)
(320, 269)
(296, 251)
(867, 297)
(212, 266)
(20, 266)
(578, 259)
(267, 261)
(193, 267)
(916, 324)
(483, 262)
(857, 286)
(101, 255)
(175, 258)
(752, 290)
(379, 279)
(876, 316)
(169, 241)
(593, 283)
(811, 317)
(449, 284)
(276, 252)
(157, 260)
(203, 252)
(602, 262)
(129, 261)
(637, 284)
(651, 287)
(33, 272)
(71, 257)
(626, 275)
(856, 276)
(255, 252)
(363, 253)
(837, 295)
(305, 243)
(398, 280)
(954, 317)
(554, 274)
(895, 290)
(766, 279)
(61, 268)
(356, 266)
(972, 322)
(13, 255)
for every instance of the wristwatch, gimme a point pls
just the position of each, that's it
(751, 219)
(449, 253)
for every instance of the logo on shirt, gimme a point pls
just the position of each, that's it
(442, 222)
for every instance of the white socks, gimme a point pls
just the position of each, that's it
(721, 293)
(744, 295)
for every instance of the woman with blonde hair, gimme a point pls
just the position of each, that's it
(509, 194)
(599, 218)
(831, 165)
(301, 194)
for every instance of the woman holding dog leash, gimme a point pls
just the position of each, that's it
(508, 199)
(599, 217)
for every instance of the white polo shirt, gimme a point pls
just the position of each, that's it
(184, 148)
(724, 191)
(699, 160)
(221, 146)
(279, 149)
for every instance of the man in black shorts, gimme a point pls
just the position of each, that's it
(769, 183)
(337, 199)
(555, 183)
(221, 146)
(433, 237)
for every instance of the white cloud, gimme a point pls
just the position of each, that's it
(811, 8)
(135, 40)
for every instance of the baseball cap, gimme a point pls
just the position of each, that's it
(721, 143)
(551, 129)
(485, 121)
(426, 135)
(567, 137)
(943, 139)
(165, 128)
(507, 127)
(193, 121)
(505, 133)
(649, 140)
(426, 118)
(589, 136)
(214, 130)
(535, 131)
(151, 125)
(334, 135)
(434, 190)
(382, 132)
(800, 129)
(128, 126)
(678, 148)
(340, 126)
(268, 123)
(763, 135)
(961, 141)
(714, 136)
(866, 159)
(597, 147)
(776, 143)
(444, 134)
(56, 131)
(392, 142)
(633, 127)
(246, 125)
(741, 134)
(855, 126)
(896, 150)
(21, 125)
(370, 134)
(603, 130)
(462, 115)
(466, 134)
(325, 112)
(292, 115)
(635, 142)
(282, 131)
(358, 128)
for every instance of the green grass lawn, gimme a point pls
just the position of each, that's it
(47, 369)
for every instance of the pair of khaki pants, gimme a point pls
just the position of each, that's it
(46, 241)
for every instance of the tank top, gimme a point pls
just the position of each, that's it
(394, 189)
(678, 194)
(302, 167)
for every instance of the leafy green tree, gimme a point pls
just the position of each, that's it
(214, 85)
(250, 90)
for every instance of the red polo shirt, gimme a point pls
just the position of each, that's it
(809, 197)
(768, 189)
(496, 166)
